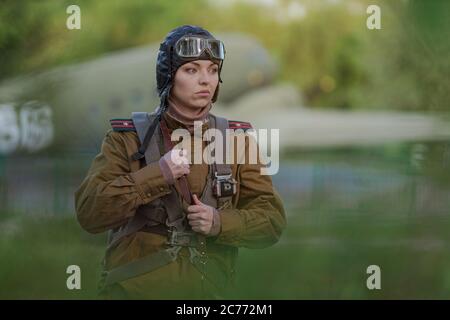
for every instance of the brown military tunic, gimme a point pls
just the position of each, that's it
(116, 186)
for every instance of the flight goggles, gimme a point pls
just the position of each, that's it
(193, 47)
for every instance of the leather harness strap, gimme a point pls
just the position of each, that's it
(198, 257)
(182, 181)
(147, 217)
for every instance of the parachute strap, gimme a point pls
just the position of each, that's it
(139, 267)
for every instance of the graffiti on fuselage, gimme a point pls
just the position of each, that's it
(25, 127)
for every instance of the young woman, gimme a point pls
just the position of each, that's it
(176, 226)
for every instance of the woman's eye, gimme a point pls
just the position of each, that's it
(191, 70)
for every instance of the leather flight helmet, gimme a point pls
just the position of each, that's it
(169, 61)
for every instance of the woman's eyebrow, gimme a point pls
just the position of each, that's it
(198, 64)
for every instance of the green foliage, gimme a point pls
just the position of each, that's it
(328, 53)
(34, 37)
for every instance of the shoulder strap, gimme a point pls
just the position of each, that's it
(220, 169)
(147, 130)
(142, 122)
(222, 124)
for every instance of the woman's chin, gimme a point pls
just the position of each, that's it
(200, 103)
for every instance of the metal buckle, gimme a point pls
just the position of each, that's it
(182, 238)
(222, 177)
(194, 254)
(224, 186)
(173, 252)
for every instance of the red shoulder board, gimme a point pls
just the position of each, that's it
(122, 125)
(232, 124)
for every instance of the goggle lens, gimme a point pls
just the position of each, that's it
(191, 47)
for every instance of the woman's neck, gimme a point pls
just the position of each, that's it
(187, 115)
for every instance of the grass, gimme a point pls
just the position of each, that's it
(328, 260)
(35, 253)
(322, 258)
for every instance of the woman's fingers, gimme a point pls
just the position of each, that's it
(180, 170)
(179, 157)
(177, 162)
(194, 211)
(196, 200)
(197, 223)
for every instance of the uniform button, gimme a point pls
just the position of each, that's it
(149, 194)
(161, 188)
(203, 252)
(202, 243)
(203, 278)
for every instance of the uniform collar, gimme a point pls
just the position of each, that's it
(176, 117)
(173, 123)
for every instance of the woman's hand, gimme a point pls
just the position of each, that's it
(174, 164)
(203, 219)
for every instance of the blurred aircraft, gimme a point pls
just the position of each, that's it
(69, 108)
(57, 119)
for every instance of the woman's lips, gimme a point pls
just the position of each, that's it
(203, 93)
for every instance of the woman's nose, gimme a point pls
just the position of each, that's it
(205, 77)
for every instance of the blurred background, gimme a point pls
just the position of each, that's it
(364, 135)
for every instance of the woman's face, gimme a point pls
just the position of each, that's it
(195, 83)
